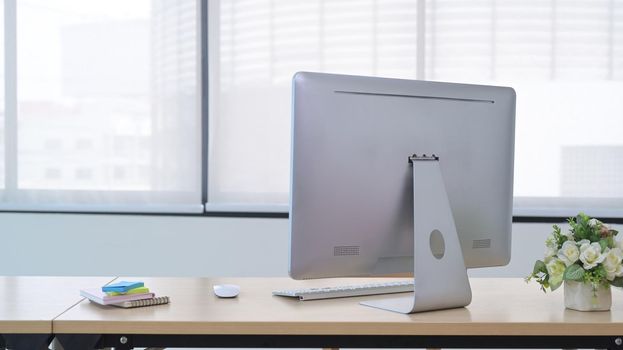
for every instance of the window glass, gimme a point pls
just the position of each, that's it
(108, 108)
(564, 59)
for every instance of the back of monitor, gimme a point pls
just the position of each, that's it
(351, 205)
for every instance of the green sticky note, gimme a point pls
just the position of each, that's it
(138, 290)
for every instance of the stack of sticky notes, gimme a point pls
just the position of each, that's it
(124, 294)
(125, 288)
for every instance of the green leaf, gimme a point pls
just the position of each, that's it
(539, 266)
(600, 273)
(604, 244)
(557, 232)
(574, 273)
(584, 218)
(594, 237)
(571, 223)
(555, 283)
(617, 282)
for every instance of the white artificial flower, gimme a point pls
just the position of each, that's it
(569, 253)
(569, 236)
(584, 241)
(613, 256)
(620, 244)
(550, 252)
(590, 254)
(551, 247)
(593, 222)
(555, 270)
(614, 272)
(550, 242)
(612, 263)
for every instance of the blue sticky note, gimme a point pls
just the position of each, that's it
(122, 287)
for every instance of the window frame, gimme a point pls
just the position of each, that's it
(10, 97)
(525, 209)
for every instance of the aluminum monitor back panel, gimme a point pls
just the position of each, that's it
(351, 204)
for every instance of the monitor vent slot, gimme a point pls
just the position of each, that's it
(342, 250)
(424, 97)
(481, 243)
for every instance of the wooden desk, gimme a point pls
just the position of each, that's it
(504, 313)
(29, 304)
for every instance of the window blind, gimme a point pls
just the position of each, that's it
(564, 58)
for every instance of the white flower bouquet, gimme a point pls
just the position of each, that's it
(588, 253)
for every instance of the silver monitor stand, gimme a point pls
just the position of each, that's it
(440, 274)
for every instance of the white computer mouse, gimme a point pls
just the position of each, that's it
(226, 290)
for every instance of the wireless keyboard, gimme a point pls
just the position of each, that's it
(347, 291)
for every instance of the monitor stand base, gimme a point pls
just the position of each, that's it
(441, 277)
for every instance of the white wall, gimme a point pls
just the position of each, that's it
(70, 244)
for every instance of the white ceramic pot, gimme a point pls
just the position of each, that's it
(586, 297)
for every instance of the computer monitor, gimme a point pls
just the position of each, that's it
(352, 183)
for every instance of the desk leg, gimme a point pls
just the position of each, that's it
(26, 341)
(78, 341)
